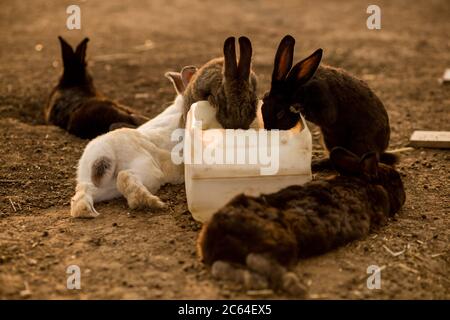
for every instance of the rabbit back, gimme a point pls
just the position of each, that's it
(94, 116)
(346, 109)
(76, 106)
(297, 221)
(327, 214)
(62, 103)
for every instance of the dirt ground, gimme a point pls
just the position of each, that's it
(136, 254)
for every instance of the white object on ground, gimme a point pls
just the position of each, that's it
(210, 185)
(430, 139)
(446, 77)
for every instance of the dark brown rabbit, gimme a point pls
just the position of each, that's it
(76, 106)
(348, 113)
(301, 221)
(229, 86)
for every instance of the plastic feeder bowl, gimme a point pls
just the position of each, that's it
(222, 163)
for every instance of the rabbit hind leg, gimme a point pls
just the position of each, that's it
(131, 186)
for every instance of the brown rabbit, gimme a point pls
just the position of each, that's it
(229, 86)
(301, 221)
(76, 106)
(348, 113)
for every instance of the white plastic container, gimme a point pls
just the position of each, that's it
(250, 161)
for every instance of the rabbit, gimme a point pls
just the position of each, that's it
(347, 111)
(301, 221)
(134, 163)
(77, 107)
(228, 86)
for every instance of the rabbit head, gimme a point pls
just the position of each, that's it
(279, 109)
(75, 72)
(369, 169)
(236, 98)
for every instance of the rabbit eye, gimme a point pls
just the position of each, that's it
(280, 114)
(294, 108)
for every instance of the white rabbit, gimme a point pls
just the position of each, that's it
(134, 163)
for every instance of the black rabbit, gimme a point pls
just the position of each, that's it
(348, 113)
(76, 106)
(301, 221)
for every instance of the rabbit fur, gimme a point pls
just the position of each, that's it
(76, 106)
(228, 85)
(347, 111)
(300, 221)
(134, 163)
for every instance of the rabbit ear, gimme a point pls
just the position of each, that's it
(369, 164)
(229, 54)
(245, 57)
(80, 52)
(177, 82)
(66, 52)
(305, 69)
(344, 161)
(212, 100)
(283, 59)
(187, 74)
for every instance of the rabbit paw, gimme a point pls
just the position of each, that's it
(142, 198)
(291, 284)
(226, 271)
(81, 207)
(137, 195)
(261, 272)
(277, 275)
